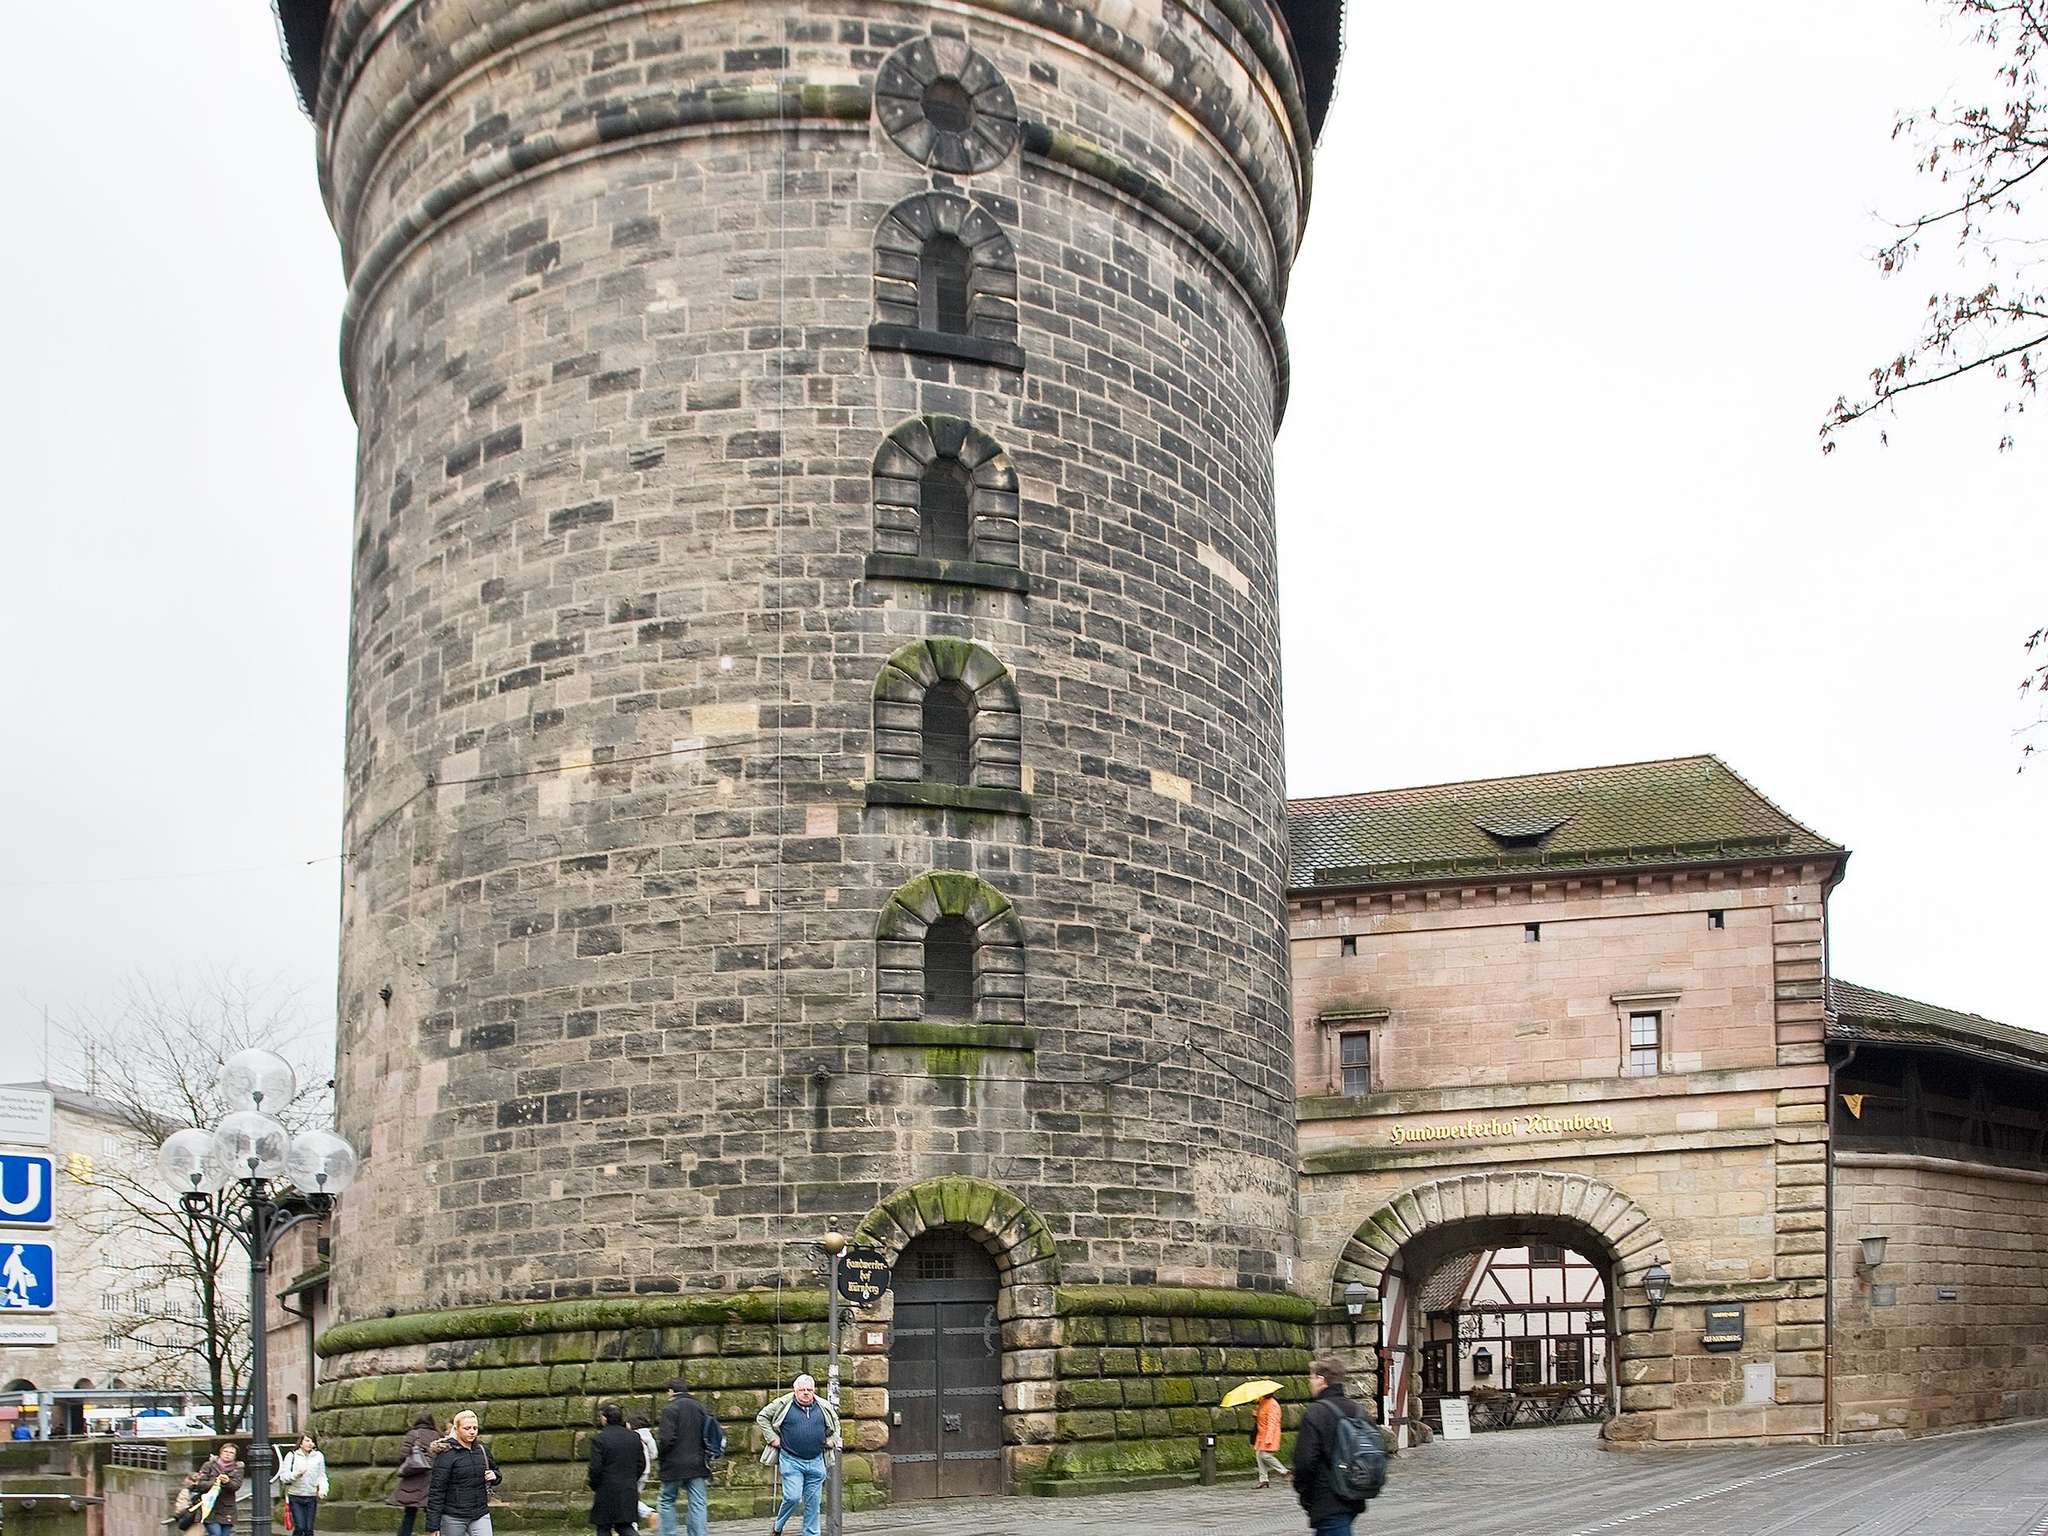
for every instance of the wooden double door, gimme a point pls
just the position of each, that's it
(945, 1373)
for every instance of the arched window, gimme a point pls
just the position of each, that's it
(944, 277)
(946, 507)
(945, 282)
(947, 722)
(949, 970)
(949, 955)
(943, 494)
(948, 745)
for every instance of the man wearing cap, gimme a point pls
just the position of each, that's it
(796, 1431)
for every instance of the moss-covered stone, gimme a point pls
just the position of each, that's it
(1174, 1301)
(570, 1317)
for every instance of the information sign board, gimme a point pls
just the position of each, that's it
(863, 1275)
(28, 1189)
(25, 1116)
(1457, 1414)
(1724, 1327)
(17, 1335)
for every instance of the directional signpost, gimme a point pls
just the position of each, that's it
(28, 1207)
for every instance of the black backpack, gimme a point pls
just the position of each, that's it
(1358, 1457)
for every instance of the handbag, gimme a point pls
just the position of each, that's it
(416, 1460)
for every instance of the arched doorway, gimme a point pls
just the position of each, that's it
(945, 1371)
(1402, 1250)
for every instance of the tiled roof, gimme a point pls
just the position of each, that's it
(1441, 1291)
(1680, 810)
(1863, 1013)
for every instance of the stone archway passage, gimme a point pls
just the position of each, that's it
(1535, 1197)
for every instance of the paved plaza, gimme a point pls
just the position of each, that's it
(1558, 1483)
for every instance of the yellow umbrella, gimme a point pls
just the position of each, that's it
(1250, 1392)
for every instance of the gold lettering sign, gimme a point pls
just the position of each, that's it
(1496, 1128)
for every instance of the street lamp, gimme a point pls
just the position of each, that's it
(1656, 1286)
(253, 1180)
(834, 1244)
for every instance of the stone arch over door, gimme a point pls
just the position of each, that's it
(1402, 1240)
(1021, 1247)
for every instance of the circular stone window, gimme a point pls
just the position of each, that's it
(943, 104)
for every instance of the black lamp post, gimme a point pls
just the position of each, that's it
(250, 1178)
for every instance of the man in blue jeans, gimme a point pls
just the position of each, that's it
(680, 1452)
(799, 1428)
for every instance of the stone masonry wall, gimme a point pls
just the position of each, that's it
(1722, 1150)
(609, 927)
(1926, 1361)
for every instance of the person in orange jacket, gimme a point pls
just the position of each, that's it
(1266, 1440)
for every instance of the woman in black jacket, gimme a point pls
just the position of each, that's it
(465, 1476)
(616, 1461)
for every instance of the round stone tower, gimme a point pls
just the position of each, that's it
(814, 746)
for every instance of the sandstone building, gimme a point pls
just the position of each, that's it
(1590, 1011)
(814, 748)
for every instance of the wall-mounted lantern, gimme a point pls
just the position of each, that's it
(1656, 1286)
(1482, 1361)
(1354, 1299)
(1873, 1252)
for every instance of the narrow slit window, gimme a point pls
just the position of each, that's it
(1354, 1056)
(948, 723)
(1717, 919)
(1532, 933)
(942, 285)
(1645, 1044)
(949, 969)
(1347, 946)
(943, 525)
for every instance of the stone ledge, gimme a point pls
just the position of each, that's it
(960, 1036)
(1343, 1158)
(515, 1318)
(1181, 1301)
(1844, 1158)
(954, 573)
(948, 797)
(1570, 1090)
(883, 337)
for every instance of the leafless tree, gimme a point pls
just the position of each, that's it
(1982, 156)
(153, 1062)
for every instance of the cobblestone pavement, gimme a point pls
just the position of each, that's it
(1556, 1482)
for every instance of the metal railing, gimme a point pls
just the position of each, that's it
(149, 1458)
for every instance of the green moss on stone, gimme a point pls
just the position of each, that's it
(1172, 1301)
(515, 1322)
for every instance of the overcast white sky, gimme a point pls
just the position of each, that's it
(1579, 283)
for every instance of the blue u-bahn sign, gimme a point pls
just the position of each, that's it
(28, 1277)
(28, 1189)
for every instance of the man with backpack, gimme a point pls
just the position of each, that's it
(1339, 1458)
(688, 1440)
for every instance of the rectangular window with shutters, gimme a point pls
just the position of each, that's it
(1645, 1045)
(1354, 1056)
